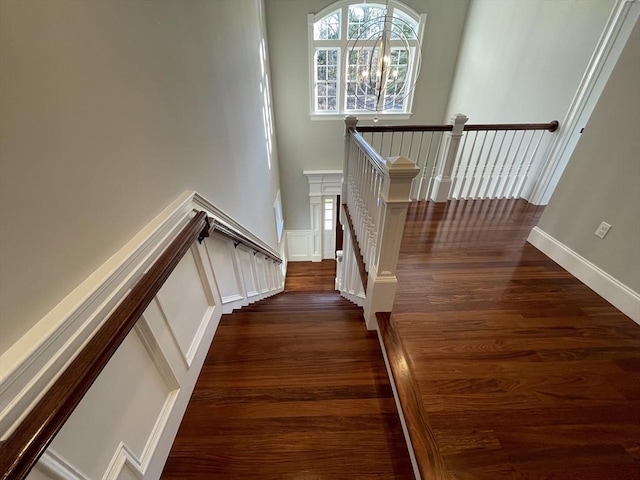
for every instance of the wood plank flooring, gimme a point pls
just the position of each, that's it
(523, 371)
(311, 276)
(293, 387)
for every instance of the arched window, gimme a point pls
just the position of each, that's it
(364, 58)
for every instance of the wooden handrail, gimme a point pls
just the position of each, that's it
(238, 238)
(22, 449)
(404, 128)
(551, 126)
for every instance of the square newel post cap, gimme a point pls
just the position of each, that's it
(401, 167)
(458, 120)
(350, 121)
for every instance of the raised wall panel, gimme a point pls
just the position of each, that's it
(299, 245)
(222, 257)
(261, 266)
(185, 303)
(155, 320)
(123, 406)
(248, 273)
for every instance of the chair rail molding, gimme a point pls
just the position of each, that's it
(166, 348)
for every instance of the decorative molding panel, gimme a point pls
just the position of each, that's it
(300, 246)
(53, 467)
(162, 355)
(612, 290)
(35, 361)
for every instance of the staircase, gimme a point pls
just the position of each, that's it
(293, 387)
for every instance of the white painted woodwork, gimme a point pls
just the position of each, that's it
(299, 245)
(394, 197)
(442, 182)
(247, 267)
(185, 309)
(377, 197)
(329, 214)
(322, 184)
(620, 295)
(125, 425)
(223, 260)
(124, 405)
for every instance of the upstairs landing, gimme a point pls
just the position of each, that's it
(522, 370)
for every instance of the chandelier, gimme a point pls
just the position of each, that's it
(382, 67)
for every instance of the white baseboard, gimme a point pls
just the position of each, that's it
(612, 290)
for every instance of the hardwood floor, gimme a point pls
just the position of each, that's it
(311, 276)
(523, 371)
(293, 387)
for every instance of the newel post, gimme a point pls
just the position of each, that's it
(395, 198)
(350, 123)
(442, 182)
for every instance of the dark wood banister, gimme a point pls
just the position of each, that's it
(551, 126)
(22, 449)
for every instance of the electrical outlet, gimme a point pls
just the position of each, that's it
(602, 230)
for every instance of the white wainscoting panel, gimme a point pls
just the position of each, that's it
(122, 406)
(222, 256)
(124, 427)
(187, 303)
(247, 267)
(300, 245)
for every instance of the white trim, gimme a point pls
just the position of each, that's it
(612, 290)
(396, 398)
(300, 246)
(616, 32)
(31, 365)
(35, 361)
(202, 203)
(357, 299)
(58, 468)
(123, 456)
(361, 116)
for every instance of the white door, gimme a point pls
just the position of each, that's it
(329, 227)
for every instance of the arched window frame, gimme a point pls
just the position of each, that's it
(341, 44)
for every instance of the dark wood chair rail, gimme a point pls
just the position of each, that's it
(22, 449)
(238, 237)
(423, 440)
(551, 126)
(362, 270)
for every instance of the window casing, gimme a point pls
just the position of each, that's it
(340, 57)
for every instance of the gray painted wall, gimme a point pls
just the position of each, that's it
(522, 61)
(304, 144)
(602, 179)
(109, 111)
